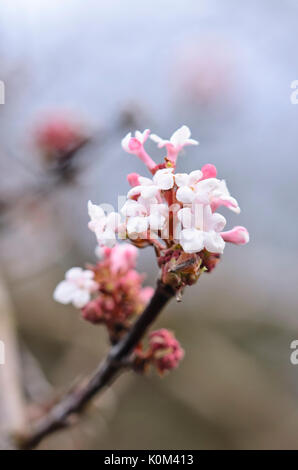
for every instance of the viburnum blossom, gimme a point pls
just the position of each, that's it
(238, 235)
(176, 214)
(175, 144)
(201, 232)
(172, 211)
(77, 287)
(135, 145)
(103, 225)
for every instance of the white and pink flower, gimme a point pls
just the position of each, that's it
(76, 288)
(194, 223)
(175, 144)
(104, 226)
(238, 235)
(135, 146)
(201, 230)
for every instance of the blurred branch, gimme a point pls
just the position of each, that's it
(35, 383)
(76, 399)
(12, 406)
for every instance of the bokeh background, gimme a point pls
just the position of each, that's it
(224, 68)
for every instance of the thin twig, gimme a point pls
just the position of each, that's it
(74, 401)
(35, 383)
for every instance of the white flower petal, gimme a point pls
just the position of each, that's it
(134, 191)
(201, 197)
(218, 222)
(73, 273)
(125, 142)
(156, 221)
(95, 212)
(132, 208)
(139, 136)
(64, 292)
(192, 240)
(156, 138)
(147, 192)
(159, 141)
(137, 225)
(166, 182)
(145, 181)
(195, 176)
(113, 220)
(213, 242)
(185, 194)
(99, 252)
(191, 142)
(81, 298)
(89, 285)
(107, 238)
(181, 179)
(142, 136)
(88, 274)
(180, 136)
(164, 179)
(185, 217)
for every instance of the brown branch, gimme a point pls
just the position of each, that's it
(74, 402)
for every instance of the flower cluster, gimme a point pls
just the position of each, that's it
(110, 292)
(176, 213)
(171, 211)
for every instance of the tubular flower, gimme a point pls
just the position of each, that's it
(202, 232)
(104, 226)
(238, 235)
(135, 145)
(175, 144)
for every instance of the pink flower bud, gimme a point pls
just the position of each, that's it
(135, 145)
(133, 179)
(238, 235)
(209, 171)
(165, 349)
(123, 257)
(93, 311)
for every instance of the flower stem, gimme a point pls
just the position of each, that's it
(74, 401)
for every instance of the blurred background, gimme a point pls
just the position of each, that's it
(224, 68)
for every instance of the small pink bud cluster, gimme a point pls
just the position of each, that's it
(165, 351)
(120, 295)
